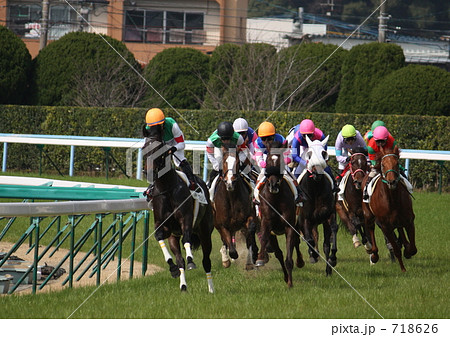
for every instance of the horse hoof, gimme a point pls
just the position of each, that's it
(226, 264)
(183, 287)
(300, 263)
(356, 244)
(259, 263)
(174, 271)
(249, 266)
(333, 262)
(368, 247)
(234, 255)
(191, 265)
(312, 260)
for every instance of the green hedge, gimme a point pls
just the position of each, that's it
(411, 132)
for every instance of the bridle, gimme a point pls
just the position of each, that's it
(384, 174)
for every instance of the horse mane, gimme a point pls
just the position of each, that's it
(360, 149)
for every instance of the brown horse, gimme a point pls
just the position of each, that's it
(350, 208)
(277, 208)
(390, 207)
(234, 210)
(173, 211)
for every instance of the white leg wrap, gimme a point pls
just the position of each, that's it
(223, 252)
(165, 251)
(187, 246)
(182, 278)
(210, 283)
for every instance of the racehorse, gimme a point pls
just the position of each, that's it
(234, 209)
(349, 208)
(390, 207)
(277, 209)
(319, 204)
(174, 211)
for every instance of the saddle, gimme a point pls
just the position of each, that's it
(198, 194)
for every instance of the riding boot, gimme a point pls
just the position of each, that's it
(212, 176)
(365, 192)
(186, 168)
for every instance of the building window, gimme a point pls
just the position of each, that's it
(149, 26)
(25, 20)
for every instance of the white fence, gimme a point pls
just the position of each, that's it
(135, 144)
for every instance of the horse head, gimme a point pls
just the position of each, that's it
(389, 166)
(275, 166)
(230, 167)
(316, 156)
(358, 166)
(157, 160)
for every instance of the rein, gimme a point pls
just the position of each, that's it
(353, 172)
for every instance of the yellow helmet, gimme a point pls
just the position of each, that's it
(266, 129)
(154, 116)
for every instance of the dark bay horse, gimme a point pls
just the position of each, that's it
(390, 207)
(319, 206)
(174, 211)
(349, 208)
(234, 209)
(277, 208)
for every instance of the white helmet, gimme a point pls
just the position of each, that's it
(240, 125)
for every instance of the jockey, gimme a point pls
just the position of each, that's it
(300, 145)
(348, 139)
(381, 138)
(266, 133)
(369, 134)
(173, 137)
(249, 135)
(224, 134)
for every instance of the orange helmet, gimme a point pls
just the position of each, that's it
(154, 116)
(266, 129)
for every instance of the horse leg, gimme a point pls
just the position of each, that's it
(279, 255)
(160, 233)
(206, 244)
(326, 246)
(186, 226)
(374, 249)
(334, 230)
(174, 243)
(289, 262)
(264, 237)
(310, 236)
(390, 248)
(251, 243)
(390, 235)
(349, 223)
(410, 249)
(226, 240)
(300, 263)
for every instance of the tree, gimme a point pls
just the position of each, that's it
(177, 76)
(77, 69)
(362, 69)
(313, 76)
(413, 90)
(15, 67)
(220, 71)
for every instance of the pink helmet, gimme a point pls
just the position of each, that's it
(307, 127)
(380, 133)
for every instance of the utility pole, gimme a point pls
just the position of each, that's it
(382, 26)
(44, 24)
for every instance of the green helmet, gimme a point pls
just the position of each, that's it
(348, 131)
(377, 123)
